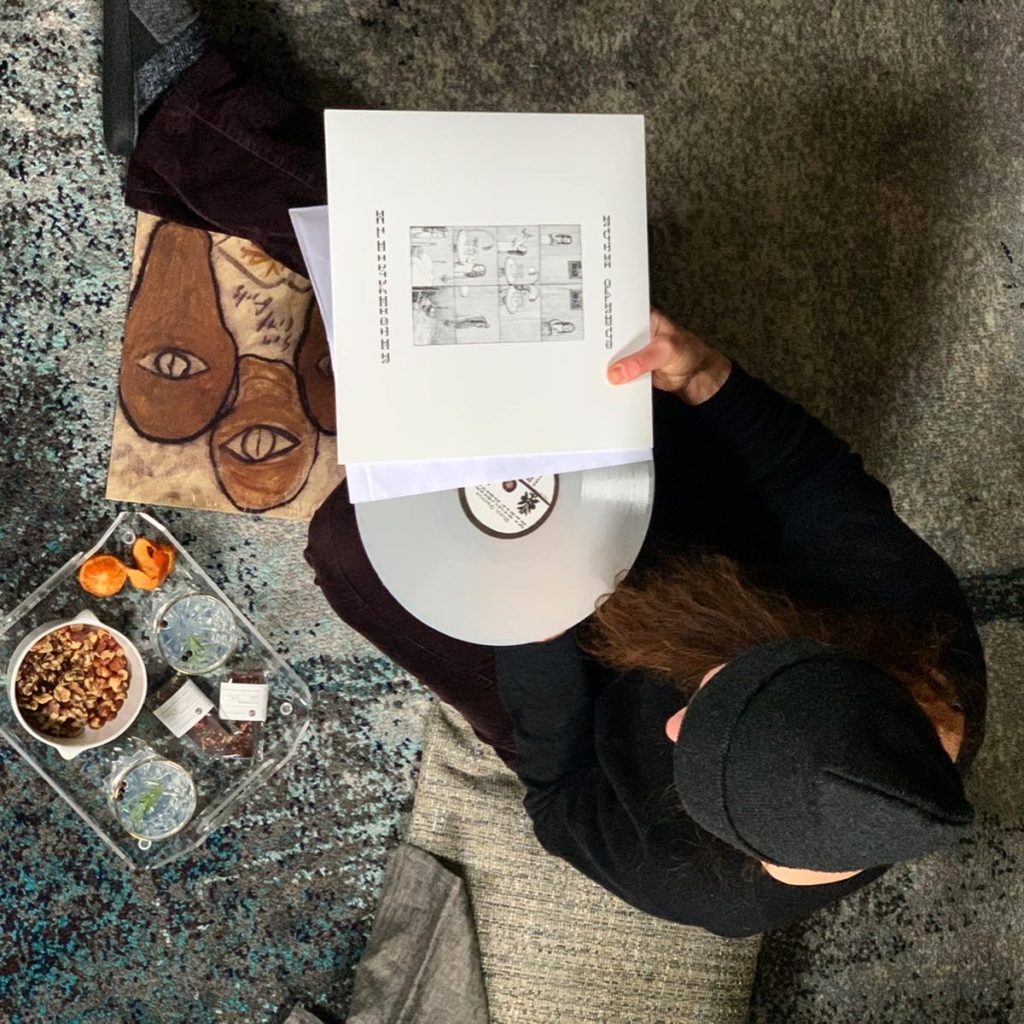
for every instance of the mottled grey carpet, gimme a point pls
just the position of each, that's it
(834, 199)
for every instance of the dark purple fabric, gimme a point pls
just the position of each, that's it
(461, 674)
(224, 153)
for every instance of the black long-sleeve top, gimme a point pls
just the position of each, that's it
(752, 474)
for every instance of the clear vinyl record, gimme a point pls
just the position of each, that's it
(510, 562)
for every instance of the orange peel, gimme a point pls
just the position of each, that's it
(142, 580)
(102, 575)
(150, 559)
(168, 550)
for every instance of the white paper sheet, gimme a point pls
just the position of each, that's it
(375, 481)
(311, 230)
(486, 269)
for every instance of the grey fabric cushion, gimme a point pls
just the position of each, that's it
(555, 946)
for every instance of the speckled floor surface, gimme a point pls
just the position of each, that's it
(834, 199)
(277, 907)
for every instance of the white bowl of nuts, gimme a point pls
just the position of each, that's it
(76, 684)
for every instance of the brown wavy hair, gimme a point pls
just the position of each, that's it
(687, 614)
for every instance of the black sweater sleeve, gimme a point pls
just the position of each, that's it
(550, 697)
(839, 541)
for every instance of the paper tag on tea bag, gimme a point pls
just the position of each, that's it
(243, 702)
(188, 706)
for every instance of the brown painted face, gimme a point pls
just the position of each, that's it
(316, 382)
(264, 448)
(178, 361)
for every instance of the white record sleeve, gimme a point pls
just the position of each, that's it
(486, 268)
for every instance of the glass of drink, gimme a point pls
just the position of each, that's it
(196, 633)
(153, 798)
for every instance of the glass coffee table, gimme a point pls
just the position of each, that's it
(151, 795)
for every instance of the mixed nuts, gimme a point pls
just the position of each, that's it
(74, 677)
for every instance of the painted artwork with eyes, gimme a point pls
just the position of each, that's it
(225, 396)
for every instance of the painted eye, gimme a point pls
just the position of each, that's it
(323, 365)
(173, 363)
(260, 442)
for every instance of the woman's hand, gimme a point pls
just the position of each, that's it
(677, 360)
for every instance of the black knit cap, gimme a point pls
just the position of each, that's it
(807, 756)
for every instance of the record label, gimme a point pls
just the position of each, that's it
(510, 508)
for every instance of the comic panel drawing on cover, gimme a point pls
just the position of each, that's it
(494, 283)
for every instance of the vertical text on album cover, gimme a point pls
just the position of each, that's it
(382, 289)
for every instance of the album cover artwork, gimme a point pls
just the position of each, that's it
(225, 393)
(481, 284)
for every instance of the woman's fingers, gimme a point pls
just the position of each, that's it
(659, 352)
(660, 324)
(678, 362)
